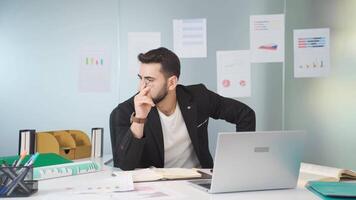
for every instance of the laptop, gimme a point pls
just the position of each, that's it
(249, 161)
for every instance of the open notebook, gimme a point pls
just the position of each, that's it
(323, 173)
(157, 174)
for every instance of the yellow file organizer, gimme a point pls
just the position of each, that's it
(71, 144)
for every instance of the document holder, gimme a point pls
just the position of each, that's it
(17, 181)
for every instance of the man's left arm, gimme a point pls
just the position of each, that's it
(231, 110)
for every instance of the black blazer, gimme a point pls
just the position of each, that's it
(197, 104)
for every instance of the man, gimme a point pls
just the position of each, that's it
(165, 124)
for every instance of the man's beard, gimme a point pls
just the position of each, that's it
(161, 95)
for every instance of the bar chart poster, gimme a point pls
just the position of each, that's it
(189, 36)
(311, 53)
(94, 72)
(233, 73)
(267, 38)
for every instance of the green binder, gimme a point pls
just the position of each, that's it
(44, 159)
(333, 190)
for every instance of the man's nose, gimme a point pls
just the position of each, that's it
(142, 84)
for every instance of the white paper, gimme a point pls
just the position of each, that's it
(110, 189)
(311, 52)
(190, 38)
(234, 73)
(94, 71)
(140, 42)
(267, 38)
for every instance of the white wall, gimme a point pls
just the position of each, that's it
(40, 47)
(325, 107)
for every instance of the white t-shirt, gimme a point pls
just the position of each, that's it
(178, 148)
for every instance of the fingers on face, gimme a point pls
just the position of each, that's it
(145, 100)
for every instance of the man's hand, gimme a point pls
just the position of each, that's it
(143, 104)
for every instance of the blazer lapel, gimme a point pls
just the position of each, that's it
(189, 113)
(154, 123)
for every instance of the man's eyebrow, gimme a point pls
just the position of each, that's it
(149, 77)
(145, 77)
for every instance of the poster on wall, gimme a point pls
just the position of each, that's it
(267, 38)
(234, 73)
(140, 42)
(189, 38)
(94, 72)
(311, 52)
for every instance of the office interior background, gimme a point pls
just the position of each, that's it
(41, 43)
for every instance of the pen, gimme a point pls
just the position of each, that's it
(32, 159)
(22, 156)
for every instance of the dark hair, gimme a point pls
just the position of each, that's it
(169, 61)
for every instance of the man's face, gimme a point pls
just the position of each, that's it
(150, 75)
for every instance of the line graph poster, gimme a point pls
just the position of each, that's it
(311, 52)
(267, 38)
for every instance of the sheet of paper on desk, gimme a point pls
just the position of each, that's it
(151, 190)
(125, 182)
(120, 183)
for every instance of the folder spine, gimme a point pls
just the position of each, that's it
(27, 141)
(97, 139)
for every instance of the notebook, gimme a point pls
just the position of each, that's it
(162, 174)
(333, 190)
(324, 173)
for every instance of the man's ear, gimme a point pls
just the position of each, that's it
(172, 82)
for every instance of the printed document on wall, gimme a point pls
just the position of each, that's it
(94, 71)
(190, 38)
(311, 52)
(234, 73)
(140, 42)
(267, 38)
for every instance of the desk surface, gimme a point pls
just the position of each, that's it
(54, 188)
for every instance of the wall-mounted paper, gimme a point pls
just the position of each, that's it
(311, 52)
(140, 42)
(94, 71)
(234, 73)
(267, 38)
(190, 38)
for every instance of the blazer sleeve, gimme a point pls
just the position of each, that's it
(126, 149)
(231, 110)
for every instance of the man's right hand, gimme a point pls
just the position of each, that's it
(143, 104)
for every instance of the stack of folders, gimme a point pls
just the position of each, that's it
(97, 138)
(69, 169)
(51, 165)
(333, 190)
(27, 141)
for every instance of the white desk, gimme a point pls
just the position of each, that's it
(48, 189)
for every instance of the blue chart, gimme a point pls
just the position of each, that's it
(311, 42)
(311, 52)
